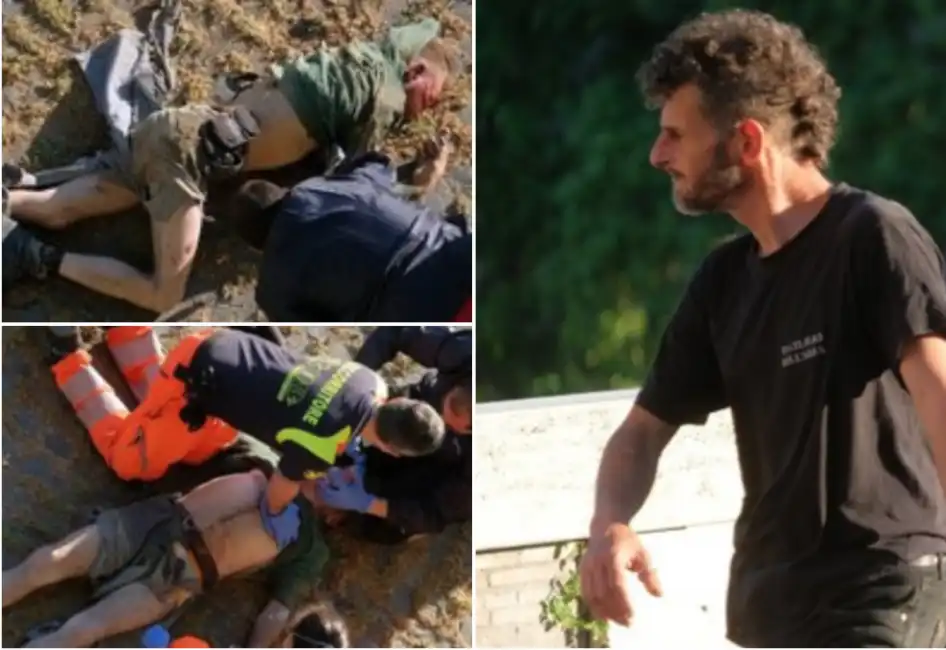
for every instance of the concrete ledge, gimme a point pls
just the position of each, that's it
(537, 460)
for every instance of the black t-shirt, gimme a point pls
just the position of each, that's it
(350, 248)
(804, 346)
(305, 408)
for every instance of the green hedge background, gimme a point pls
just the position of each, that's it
(581, 256)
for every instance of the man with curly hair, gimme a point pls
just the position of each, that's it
(823, 329)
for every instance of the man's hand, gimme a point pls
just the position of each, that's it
(603, 573)
(337, 492)
(283, 527)
(432, 162)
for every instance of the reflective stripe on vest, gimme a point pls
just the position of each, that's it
(139, 359)
(83, 384)
(98, 407)
(137, 351)
(91, 397)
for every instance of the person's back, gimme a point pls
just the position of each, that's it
(437, 281)
(448, 352)
(266, 390)
(349, 248)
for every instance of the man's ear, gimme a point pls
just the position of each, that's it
(415, 70)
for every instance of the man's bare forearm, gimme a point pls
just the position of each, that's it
(628, 468)
(924, 372)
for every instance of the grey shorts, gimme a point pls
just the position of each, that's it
(144, 542)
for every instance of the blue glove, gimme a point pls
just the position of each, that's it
(282, 527)
(345, 496)
(336, 477)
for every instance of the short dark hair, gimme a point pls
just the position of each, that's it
(252, 209)
(748, 64)
(319, 626)
(411, 427)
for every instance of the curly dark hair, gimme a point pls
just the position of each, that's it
(748, 64)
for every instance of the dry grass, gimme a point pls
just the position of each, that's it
(415, 596)
(49, 119)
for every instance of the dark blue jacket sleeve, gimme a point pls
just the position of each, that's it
(444, 349)
(450, 502)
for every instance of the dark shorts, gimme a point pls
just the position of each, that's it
(144, 542)
(850, 604)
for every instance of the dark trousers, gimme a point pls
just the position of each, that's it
(860, 603)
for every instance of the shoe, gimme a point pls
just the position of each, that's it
(22, 254)
(12, 176)
(62, 340)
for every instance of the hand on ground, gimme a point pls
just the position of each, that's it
(432, 162)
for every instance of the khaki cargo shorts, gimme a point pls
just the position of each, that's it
(143, 542)
(164, 148)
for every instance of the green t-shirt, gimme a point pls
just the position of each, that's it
(351, 96)
(300, 567)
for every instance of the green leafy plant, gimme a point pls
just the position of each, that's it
(563, 607)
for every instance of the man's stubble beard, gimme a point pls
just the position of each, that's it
(713, 190)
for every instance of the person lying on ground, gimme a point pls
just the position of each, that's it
(348, 98)
(348, 248)
(448, 352)
(149, 558)
(216, 382)
(339, 98)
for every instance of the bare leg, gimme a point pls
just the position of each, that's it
(127, 609)
(68, 558)
(175, 246)
(87, 196)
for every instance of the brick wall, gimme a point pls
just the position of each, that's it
(510, 585)
(536, 462)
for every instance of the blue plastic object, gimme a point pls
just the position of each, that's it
(156, 637)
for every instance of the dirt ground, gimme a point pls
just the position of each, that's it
(49, 120)
(418, 595)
